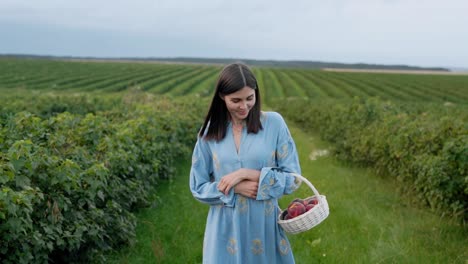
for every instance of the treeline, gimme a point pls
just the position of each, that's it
(424, 147)
(73, 169)
(252, 62)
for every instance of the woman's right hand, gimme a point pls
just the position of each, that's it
(247, 188)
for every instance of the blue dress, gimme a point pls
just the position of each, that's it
(239, 229)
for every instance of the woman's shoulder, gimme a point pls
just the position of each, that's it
(273, 118)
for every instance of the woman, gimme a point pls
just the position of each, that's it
(241, 165)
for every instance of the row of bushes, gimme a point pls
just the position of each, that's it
(425, 147)
(69, 182)
(49, 104)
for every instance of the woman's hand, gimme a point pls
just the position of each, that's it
(232, 179)
(247, 188)
(229, 181)
(251, 175)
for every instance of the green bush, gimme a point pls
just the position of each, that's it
(69, 182)
(423, 146)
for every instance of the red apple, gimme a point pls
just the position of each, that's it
(295, 209)
(309, 206)
(312, 200)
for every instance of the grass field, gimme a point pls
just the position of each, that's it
(368, 222)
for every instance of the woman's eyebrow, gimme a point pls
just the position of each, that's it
(240, 98)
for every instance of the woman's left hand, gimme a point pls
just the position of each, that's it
(232, 179)
(229, 181)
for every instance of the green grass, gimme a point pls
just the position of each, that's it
(368, 223)
(172, 230)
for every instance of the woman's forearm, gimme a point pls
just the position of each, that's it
(251, 175)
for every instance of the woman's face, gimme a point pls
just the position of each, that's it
(240, 103)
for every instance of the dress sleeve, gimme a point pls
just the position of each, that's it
(202, 185)
(277, 181)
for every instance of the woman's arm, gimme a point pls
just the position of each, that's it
(277, 181)
(234, 178)
(202, 187)
(247, 188)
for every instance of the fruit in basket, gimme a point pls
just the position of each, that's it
(296, 208)
(311, 200)
(299, 200)
(309, 206)
(299, 206)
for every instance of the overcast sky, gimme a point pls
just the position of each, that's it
(413, 32)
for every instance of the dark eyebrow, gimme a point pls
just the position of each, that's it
(238, 98)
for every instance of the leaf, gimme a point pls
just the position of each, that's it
(315, 242)
(22, 181)
(100, 194)
(17, 163)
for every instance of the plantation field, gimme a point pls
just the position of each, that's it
(94, 157)
(183, 79)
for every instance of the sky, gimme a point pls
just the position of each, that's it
(429, 33)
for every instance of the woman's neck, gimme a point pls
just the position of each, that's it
(236, 122)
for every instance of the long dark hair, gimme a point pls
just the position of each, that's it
(232, 78)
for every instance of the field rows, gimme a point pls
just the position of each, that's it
(105, 77)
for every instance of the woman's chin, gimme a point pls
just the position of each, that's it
(242, 116)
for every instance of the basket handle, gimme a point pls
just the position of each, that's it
(311, 186)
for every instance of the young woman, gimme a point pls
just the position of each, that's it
(241, 165)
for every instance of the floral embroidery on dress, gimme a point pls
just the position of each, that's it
(243, 205)
(257, 247)
(216, 161)
(232, 246)
(269, 208)
(292, 187)
(282, 152)
(272, 160)
(283, 247)
(264, 190)
(272, 181)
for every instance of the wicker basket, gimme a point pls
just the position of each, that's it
(308, 219)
